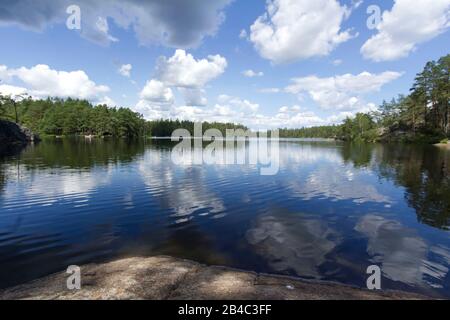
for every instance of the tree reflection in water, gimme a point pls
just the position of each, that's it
(424, 172)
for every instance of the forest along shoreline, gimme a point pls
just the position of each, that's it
(168, 278)
(423, 116)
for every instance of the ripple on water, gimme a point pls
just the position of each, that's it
(329, 212)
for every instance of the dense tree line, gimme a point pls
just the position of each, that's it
(165, 128)
(79, 117)
(72, 117)
(314, 132)
(423, 115)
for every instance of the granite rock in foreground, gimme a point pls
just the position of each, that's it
(163, 278)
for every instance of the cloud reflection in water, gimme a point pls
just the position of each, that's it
(401, 252)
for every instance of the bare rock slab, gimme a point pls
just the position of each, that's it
(161, 278)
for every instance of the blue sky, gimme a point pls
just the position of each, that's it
(312, 63)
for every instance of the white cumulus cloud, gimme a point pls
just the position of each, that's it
(183, 70)
(251, 74)
(292, 30)
(41, 81)
(12, 91)
(343, 92)
(405, 26)
(269, 90)
(185, 73)
(194, 97)
(237, 103)
(125, 70)
(157, 93)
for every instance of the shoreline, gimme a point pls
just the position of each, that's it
(168, 278)
(443, 145)
(281, 139)
(14, 137)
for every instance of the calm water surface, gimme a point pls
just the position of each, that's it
(333, 210)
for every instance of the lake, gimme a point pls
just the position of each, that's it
(332, 210)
